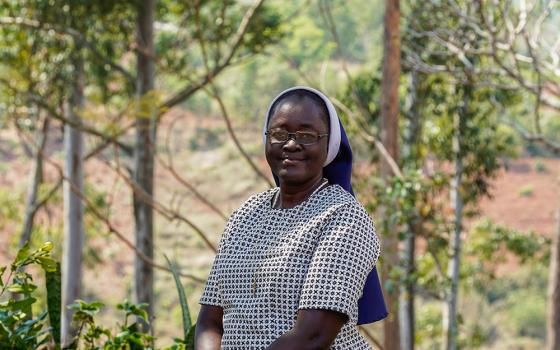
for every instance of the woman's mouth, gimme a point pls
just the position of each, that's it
(291, 161)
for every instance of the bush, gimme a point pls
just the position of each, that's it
(540, 167)
(527, 313)
(428, 326)
(20, 330)
(526, 191)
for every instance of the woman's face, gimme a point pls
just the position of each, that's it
(293, 163)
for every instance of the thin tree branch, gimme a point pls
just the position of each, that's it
(36, 177)
(170, 215)
(107, 221)
(212, 91)
(41, 103)
(190, 89)
(76, 35)
(191, 187)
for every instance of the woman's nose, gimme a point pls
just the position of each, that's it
(290, 145)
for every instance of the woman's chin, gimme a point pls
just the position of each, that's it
(288, 176)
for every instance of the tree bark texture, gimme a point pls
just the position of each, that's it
(35, 180)
(389, 138)
(553, 321)
(453, 268)
(73, 207)
(144, 155)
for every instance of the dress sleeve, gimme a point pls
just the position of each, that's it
(346, 252)
(211, 294)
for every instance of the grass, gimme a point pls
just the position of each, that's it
(526, 191)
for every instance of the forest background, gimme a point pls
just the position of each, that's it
(131, 129)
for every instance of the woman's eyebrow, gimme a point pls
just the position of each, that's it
(302, 125)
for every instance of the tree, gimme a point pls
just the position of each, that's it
(412, 159)
(73, 206)
(505, 46)
(389, 132)
(457, 203)
(146, 129)
(35, 180)
(553, 317)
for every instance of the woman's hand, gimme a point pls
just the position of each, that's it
(209, 328)
(314, 329)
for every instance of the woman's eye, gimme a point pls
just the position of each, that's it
(279, 135)
(307, 137)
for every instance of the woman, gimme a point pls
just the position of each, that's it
(294, 261)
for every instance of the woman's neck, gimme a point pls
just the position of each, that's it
(291, 195)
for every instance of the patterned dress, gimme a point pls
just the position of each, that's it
(273, 262)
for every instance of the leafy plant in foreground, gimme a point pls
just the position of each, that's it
(18, 328)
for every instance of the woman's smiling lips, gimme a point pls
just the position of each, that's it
(287, 160)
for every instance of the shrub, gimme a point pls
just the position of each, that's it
(540, 167)
(527, 313)
(526, 191)
(20, 330)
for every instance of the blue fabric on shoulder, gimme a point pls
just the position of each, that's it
(371, 306)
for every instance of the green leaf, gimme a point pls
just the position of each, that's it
(22, 288)
(189, 339)
(46, 263)
(54, 297)
(21, 257)
(133, 309)
(2, 269)
(46, 247)
(187, 323)
(21, 305)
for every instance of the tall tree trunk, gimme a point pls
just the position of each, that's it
(144, 154)
(407, 290)
(35, 180)
(450, 329)
(73, 207)
(389, 138)
(553, 321)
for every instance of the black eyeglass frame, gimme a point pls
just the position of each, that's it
(293, 136)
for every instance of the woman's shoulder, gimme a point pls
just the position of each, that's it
(341, 201)
(257, 200)
(335, 195)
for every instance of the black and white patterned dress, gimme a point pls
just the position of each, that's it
(272, 262)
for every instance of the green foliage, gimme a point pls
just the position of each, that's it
(540, 167)
(92, 336)
(9, 207)
(518, 300)
(188, 327)
(18, 328)
(483, 143)
(206, 139)
(429, 327)
(526, 191)
(361, 95)
(526, 313)
(488, 242)
(407, 201)
(305, 43)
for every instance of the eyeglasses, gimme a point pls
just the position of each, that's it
(300, 137)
